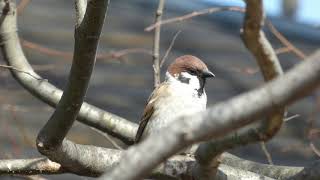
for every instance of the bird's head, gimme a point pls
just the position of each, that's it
(190, 70)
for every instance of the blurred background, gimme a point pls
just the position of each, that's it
(123, 77)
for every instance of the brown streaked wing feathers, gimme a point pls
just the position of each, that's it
(149, 109)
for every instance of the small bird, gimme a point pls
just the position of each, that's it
(181, 93)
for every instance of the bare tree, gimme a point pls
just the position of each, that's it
(221, 127)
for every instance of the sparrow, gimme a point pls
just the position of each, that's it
(181, 93)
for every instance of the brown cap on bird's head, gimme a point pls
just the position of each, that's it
(190, 64)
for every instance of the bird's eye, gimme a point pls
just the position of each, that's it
(192, 72)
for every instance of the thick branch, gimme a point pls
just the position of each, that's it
(257, 43)
(87, 33)
(86, 42)
(74, 158)
(181, 167)
(276, 172)
(175, 167)
(311, 171)
(51, 142)
(156, 45)
(270, 67)
(80, 6)
(84, 159)
(78, 159)
(30, 166)
(14, 56)
(219, 120)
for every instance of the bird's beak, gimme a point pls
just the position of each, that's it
(207, 74)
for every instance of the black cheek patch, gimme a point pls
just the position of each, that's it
(183, 79)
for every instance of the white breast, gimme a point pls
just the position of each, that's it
(183, 100)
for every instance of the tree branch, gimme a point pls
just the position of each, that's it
(266, 152)
(257, 43)
(191, 15)
(289, 46)
(51, 142)
(22, 5)
(276, 172)
(285, 42)
(255, 40)
(87, 34)
(80, 6)
(30, 166)
(169, 48)
(309, 172)
(68, 55)
(176, 167)
(14, 56)
(78, 159)
(85, 160)
(156, 45)
(219, 120)
(21, 71)
(92, 161)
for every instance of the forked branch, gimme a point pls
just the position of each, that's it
(45, 91)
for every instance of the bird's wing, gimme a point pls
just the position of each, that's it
(157, 94)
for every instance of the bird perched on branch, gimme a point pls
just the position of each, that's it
(181, 93)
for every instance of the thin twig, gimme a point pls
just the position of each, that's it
(45, 50)
(43, 67)
(291, 117)
(68, 55)
(289, 46)
(115, 144)
(266, 152)
(245, 70)
(314, 149)
(312, 132)
(120, 53)
(311, 121)
(169, 49)
(284, 41)
(26, 139)
(156, 45)
(10, 137)
(282, 50)
(193, 14)
(22, 5)
(22, 71)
